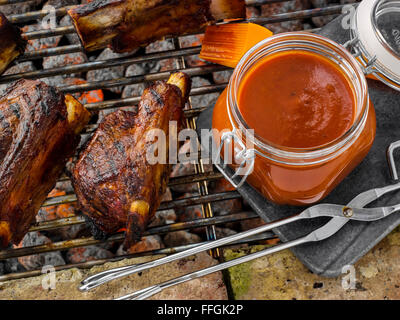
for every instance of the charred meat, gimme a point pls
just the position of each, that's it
(39, 129)
(11, 44)
(125, 25)
(117, 187)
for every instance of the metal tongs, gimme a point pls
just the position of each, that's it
(340, 214)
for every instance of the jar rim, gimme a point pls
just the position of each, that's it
(301, 156)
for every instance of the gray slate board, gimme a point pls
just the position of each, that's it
(355, 239)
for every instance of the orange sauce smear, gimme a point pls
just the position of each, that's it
(297, 99)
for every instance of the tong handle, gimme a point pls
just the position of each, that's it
(106, 276)
(372, 195)
(103, 274)
(372, 214)
(148, 292)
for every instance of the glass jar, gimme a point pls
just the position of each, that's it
(295, 176)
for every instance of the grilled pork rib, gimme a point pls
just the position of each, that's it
(117, 187)
(38, 131)
(125, 25)
(11, 44)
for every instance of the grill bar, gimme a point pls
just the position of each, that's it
(275, 18)
(3, 2)
(200, 177)
(195, 178)
(109, 104)
(61, 223)
(34, 15)
(199, 167)
(46, 33)
(248, 2)
(254, 3)
(102, 64)
(151, 77)
(38, 54)
(84, 265)
(66, 222)
(81, 242)
(191, 201)
(303, 14)
(187, 113)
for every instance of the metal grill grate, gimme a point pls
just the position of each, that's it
(201, 177)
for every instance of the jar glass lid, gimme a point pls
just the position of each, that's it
(375, 34)
(386, 21)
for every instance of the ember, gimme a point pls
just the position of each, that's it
(225, 207)
(10, 9)
(179, 238)
(78, 255)
(38, 260)
(203, 100)
(72, 37)
(134, 90)
(108, 73)
(61, 3)
(64, 60)
(148, 243)
(41, 43)
(52, 212)
(193, 41)
(92, 96)
(17, 68)
(163, 217)
(164, 64)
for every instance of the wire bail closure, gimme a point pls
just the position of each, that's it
(247, 157)
(353, 46)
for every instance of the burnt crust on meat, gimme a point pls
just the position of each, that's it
(92, 6)
(115, 184)
(36, 138)
(125, 25)
(11, 44)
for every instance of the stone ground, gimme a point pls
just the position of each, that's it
(279, 276)
(67, 282)
(282, 276)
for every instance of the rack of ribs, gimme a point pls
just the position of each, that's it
(125, 25)
(11, 44)
(39, 131)
(117, 187)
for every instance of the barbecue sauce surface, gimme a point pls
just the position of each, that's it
(297, 99)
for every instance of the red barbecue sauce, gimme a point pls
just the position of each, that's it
(297, 100)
